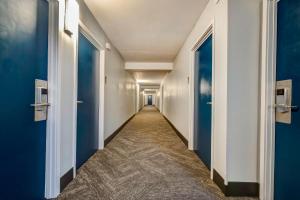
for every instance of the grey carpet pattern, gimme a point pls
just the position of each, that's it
(145, 161)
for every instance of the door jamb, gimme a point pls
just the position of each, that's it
(208, 31)
(52, 170)
(101, 55)
(137, 99)
(268, 82)
(161, 98)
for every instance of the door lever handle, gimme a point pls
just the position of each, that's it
(79, 102)
(209, 103)
(285, 106)
(40, 104)
(293, 108)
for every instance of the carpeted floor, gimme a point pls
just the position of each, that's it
(146, 161)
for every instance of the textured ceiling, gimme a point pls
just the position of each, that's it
(147, 30)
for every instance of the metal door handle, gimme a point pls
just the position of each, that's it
(79, 102)
(285, 106)
(209, 103)
(40, 104)
(293, 108)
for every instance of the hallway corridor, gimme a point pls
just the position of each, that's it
(146, 160)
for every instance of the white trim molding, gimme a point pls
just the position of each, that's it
(52, 174)
(268, 81)
(208, 32)
(75, 99)
(90, 36)
(101, 98)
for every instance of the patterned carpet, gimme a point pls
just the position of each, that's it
(146, 161)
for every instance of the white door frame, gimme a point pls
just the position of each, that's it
(52, 173)
(208, 32)
(161, 98)
(268, 83)
(137, 87)
(101, 55)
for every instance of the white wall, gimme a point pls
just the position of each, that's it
(67, 66)
(119, 90)
(120, 94)
(236, 69)
(141, 100)
(157, 99)
(243, 90)
(145, 99)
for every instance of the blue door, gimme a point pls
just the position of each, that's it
(203, 98)
(87, 109)
(23, 58)
(150, 100)
(287, 136)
